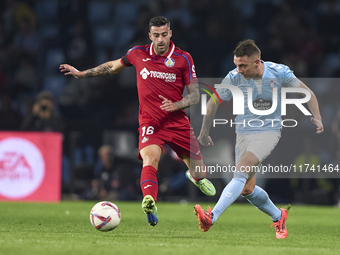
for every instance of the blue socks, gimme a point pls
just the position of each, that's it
(230, 193)
(260, 199)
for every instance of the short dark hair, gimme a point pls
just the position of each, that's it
(158, 22)
(246, 48)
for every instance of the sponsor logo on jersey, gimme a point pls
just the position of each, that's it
(146, 59)
(169, 62)
(144, 73)
(261, 104)
(145, 139)
(168, 77)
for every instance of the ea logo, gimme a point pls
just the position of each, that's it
(22, 168)
(144, 73)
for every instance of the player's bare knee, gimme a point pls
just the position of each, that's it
(151, 159)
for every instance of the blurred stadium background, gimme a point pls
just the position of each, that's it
(38, 35)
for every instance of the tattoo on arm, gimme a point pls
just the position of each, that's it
(102, 70)
(191, 99)
(89, 73)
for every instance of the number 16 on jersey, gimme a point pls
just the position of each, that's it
(147, 130)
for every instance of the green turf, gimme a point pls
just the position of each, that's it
(65, 228)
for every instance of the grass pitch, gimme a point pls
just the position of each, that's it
(65, 228)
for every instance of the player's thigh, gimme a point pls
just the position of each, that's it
(151, 155)
(151, 142)
(184, 143)
(260, 145)
(247, 162)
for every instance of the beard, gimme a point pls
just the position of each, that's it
(163, 49)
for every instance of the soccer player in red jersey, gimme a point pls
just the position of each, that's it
(163, 71)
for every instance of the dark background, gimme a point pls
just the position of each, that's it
(36, 36)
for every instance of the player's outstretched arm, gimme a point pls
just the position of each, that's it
(108, 68)
(313, 106)
(192, 98)
(204, 137)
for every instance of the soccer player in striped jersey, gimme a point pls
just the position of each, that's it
(163, 71)
(254, 142)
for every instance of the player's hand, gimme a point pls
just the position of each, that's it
(70, 70)
(167, 105)
(205, 140)
(319, 125)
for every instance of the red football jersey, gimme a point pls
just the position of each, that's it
(160, 75)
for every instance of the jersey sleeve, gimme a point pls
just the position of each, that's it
(128, 59)
(290, 79)
(189, 72)
(224, 93)
(125, 62)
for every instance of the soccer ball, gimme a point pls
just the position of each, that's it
(105, 216)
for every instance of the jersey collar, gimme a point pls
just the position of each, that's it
(169, 53)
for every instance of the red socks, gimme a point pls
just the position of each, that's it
(148, 182)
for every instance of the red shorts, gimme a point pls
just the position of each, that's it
(182, 140)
